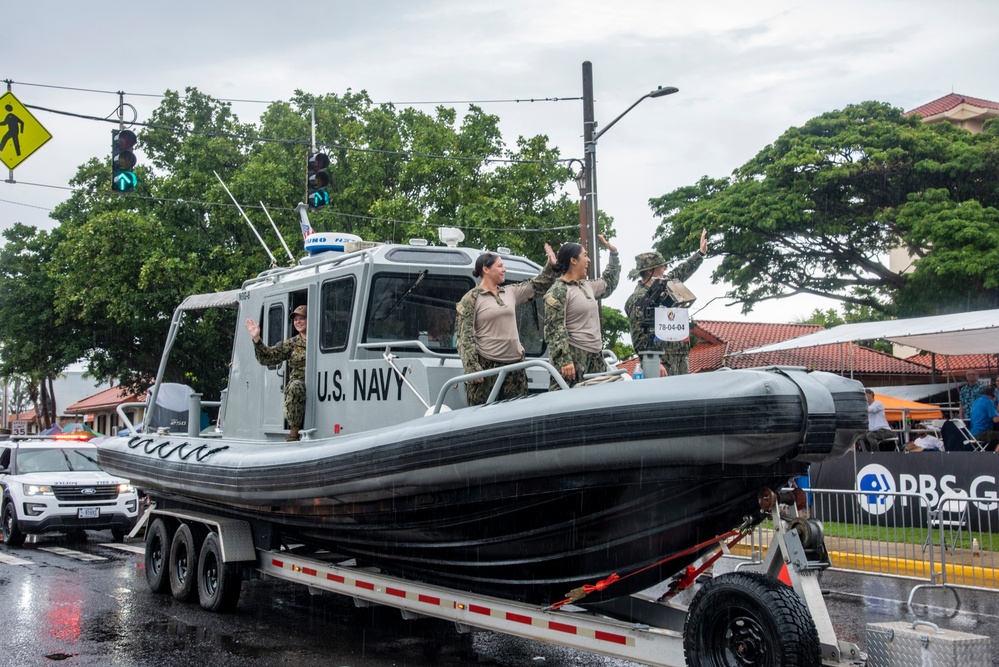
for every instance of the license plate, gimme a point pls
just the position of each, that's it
(88, 513)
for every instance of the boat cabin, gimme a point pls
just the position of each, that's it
(381, 343)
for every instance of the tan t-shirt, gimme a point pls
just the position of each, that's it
(496, 335)
(582, 315)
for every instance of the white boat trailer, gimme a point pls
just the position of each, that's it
(653, 635)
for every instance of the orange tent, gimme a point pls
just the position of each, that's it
(896, 409)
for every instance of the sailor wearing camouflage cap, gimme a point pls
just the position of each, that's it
(648, 267)
(646, 262)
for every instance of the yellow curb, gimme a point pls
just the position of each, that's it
(959, 575)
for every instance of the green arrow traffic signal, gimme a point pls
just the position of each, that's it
(123, 161)
(319, 180)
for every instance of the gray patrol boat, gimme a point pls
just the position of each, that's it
(524, 499)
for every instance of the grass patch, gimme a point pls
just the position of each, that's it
(903, 535)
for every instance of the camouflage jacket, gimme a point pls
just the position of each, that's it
(556, 335)
(291, 350)
(643, 340)
(464, 328)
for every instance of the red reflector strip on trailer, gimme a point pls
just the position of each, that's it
(539, 621)
(608, 637)
(562, 627)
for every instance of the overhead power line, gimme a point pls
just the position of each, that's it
(516, 100)
(215, 204)
(302, 142)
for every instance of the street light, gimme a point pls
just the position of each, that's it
(590, 138)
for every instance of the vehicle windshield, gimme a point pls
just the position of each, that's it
(56, 459)
(422, 306)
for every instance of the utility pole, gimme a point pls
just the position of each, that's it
(589, 228)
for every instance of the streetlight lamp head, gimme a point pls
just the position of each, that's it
(660, 91)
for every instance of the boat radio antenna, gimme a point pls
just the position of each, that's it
(274, 262)
(280, 238)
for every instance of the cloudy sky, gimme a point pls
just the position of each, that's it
(746, 72)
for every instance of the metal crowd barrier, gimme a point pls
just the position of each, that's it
(942, 540)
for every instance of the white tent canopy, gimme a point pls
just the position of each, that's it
(976, 332)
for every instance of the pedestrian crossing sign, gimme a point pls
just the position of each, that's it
(22, 134)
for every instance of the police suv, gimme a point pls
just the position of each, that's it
(53, 483)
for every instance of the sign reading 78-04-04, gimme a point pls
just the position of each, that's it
(22, 133)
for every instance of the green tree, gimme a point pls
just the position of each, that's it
(36, 344)
(615, 324)
(818, 211)
(123, 263)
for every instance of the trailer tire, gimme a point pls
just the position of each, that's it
(219, 582)
(12, 535)
(158, 539)
(746, 618)
(183, 570)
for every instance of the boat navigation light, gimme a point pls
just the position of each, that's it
(418, 242)
(450, 236)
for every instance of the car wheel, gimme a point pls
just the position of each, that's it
(12, 535)
(118, 534)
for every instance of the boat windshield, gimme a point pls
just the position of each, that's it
(414, 306)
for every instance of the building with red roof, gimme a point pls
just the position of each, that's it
(99, 411)
(718, 343)
(954, 366)
(966, 112)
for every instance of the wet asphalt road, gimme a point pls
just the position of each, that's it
(59, 608)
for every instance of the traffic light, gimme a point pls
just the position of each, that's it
(123, 179)
(319, 180)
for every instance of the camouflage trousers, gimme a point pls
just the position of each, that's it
(676, 363)
(294, 403)
(514, 385)
(585, 362)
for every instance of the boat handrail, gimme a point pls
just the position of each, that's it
(388, 345)
(502, 372)
(317, 261)
(124, 418)
(193, 411)
(390, 360)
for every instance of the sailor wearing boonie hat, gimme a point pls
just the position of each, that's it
(648, 267)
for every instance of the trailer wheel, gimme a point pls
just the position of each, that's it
(158, 556)
(746, 618)
(12, 535)
(183, 567)
(219, 582)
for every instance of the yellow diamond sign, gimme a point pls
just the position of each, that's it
(22, 133)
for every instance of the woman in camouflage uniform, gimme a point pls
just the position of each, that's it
(486, 327)
(291, 350)
(572, 314)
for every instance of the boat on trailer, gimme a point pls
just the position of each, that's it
(525, 499)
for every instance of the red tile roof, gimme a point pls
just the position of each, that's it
(719, 340)
(26, 416)
(948, 102)
(108, 399)
(958, 363)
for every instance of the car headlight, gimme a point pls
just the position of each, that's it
(125, 488)
(36, 490)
